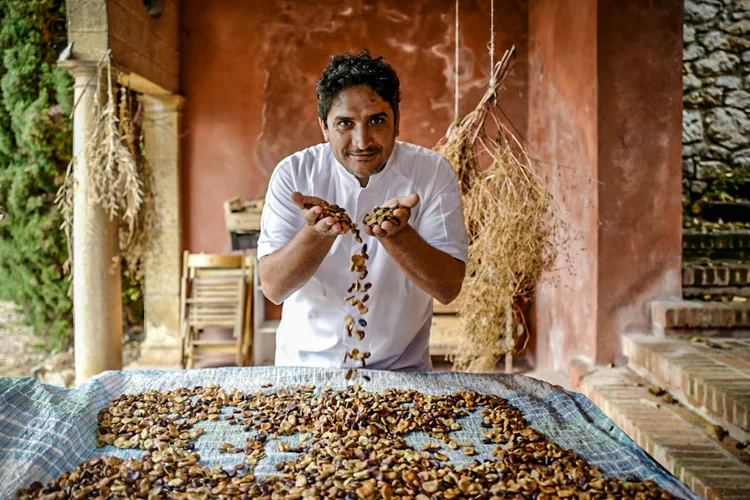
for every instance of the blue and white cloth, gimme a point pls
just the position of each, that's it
(45, 430)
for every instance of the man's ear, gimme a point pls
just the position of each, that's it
(395, 130)
(323, 128)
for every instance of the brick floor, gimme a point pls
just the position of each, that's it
(672, 434)
(712, 376)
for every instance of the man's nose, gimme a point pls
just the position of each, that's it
(362, 137)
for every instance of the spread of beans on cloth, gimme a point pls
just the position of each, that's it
(352, 442)
(352, 446)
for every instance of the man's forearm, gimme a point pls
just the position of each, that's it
(287, 269)
(432, 270)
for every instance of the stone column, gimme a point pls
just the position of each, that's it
(97, 295)
(161, 127)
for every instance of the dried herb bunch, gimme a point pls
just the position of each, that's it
(119, 176)
(514, 233)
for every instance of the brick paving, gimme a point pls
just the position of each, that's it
(674, 435)
(712, 375)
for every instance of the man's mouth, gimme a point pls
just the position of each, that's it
(364, 154)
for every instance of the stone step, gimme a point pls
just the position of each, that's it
(692, 317)
(727, 244)
(715, 278)
(711, 376)
(673, 435)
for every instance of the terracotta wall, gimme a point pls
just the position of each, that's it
(249, 71)
(640, 164)
(605, 120)
(563, 136)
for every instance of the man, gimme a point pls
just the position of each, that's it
(304, 262)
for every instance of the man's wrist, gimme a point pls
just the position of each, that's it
(402, 235)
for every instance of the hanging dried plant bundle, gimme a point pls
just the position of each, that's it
(117, 173)
(511, 225)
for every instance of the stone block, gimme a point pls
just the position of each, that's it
(692, 127)
(160, 131)
(718, 63)
(87, 15)
(728, 126)
(705, 97)
(162, 263)
(739, 28)
(715, 40)
(695, 149)
(89, 45)
(167, 192)
(162, 319)
(729, 82)
(715, 152)
(699, 12)
(688, 167)
(706, 170)
(688, 34)
(738, 99)
(693, 52)
(690, 82)
(741, 157)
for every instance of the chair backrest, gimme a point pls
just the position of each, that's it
(215, 289)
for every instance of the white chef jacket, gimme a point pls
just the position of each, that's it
(312, 331)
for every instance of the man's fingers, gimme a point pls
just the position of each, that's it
(402, 214)
(311, 215)
(409, 201)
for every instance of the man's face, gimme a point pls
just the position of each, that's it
(362, 131)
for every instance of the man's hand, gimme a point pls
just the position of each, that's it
(311, 211)
(402, 214)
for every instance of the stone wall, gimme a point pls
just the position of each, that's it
(716, 94)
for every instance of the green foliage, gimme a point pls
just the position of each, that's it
(35, 149)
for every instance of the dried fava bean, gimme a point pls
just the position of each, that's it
(349, 373)
(360, 334)
(349, 324)
(379, 215)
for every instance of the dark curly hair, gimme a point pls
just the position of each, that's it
(349, 70)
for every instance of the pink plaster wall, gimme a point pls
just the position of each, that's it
(640, 165)
(563, 137)
(249, 69)
(605, 100)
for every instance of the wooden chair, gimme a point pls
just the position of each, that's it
(215, 294)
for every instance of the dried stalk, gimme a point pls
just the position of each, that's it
(118, 175)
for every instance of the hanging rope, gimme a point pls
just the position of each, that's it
(455, 111)
(492, 43)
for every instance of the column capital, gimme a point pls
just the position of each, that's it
(170, 103)
(79, 68)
